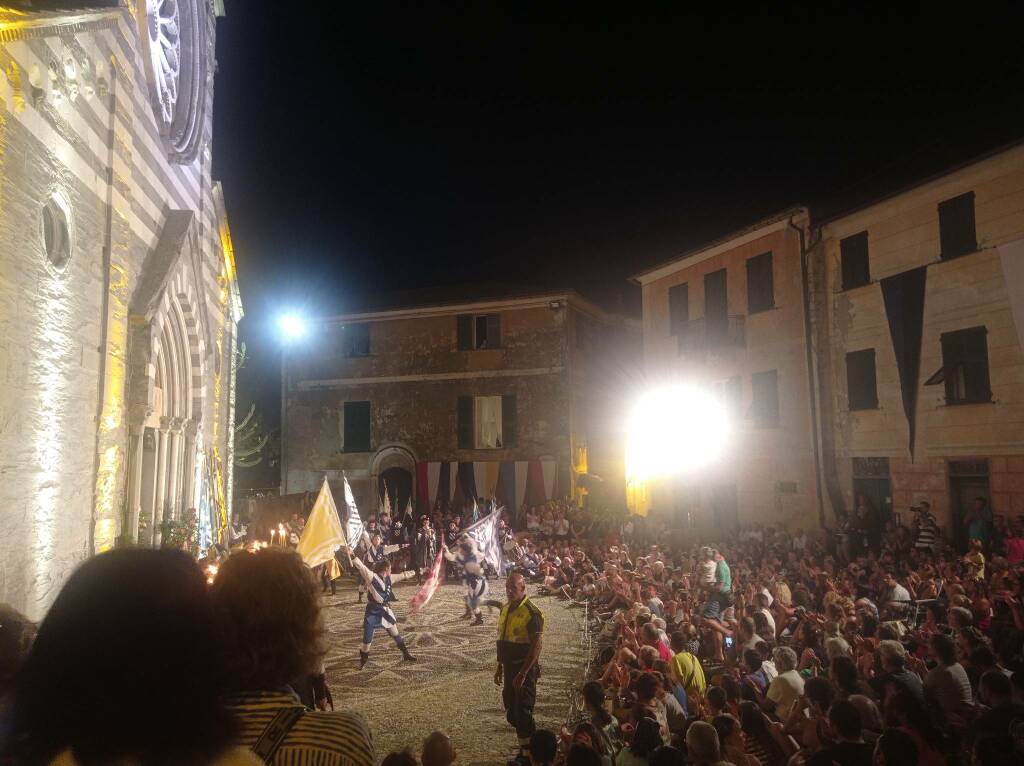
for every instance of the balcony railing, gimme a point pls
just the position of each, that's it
(703, 335)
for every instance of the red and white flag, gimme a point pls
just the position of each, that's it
(427, 591)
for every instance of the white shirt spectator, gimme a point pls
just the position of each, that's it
(784, 691)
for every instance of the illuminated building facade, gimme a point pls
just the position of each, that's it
(730, 317)
(520, 397)
(118, 298)
(918, 340)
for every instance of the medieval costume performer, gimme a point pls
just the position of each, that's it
(426, 548)
(372, 555)
(472, 576)
(378, 613)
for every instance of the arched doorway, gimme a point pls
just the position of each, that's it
(396, 483)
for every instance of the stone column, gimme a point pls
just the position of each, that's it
(190, 431)
(174, 455)
(160, 485)
(136, 447)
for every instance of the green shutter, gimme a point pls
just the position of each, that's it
(508, 420)
(494, 331)
(464, 330)
(465, 422)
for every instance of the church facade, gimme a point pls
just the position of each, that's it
(118, 295)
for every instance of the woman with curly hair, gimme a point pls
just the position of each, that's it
(268, 615)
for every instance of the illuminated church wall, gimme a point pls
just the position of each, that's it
(118, 301)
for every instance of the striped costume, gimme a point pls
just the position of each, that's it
(472, 577)
(378, 612)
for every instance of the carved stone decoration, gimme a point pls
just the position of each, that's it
(174, 39)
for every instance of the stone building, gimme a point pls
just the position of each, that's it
(118, 300)
(919, 323)
(515, 397)
(729, 316)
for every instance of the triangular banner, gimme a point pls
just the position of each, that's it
(904, 308)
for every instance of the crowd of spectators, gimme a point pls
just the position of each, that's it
(759, 646)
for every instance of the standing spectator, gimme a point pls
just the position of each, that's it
(946, 686)
(925, 528)
(124, 662)
(268, 613)
(978, 522)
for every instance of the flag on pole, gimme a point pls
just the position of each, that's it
(354, 530)
(476, 511)
(323, 533)
(427, 591)
(408, 509)
(484, 535)
(387, 501)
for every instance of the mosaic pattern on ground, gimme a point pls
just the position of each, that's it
(451, 688)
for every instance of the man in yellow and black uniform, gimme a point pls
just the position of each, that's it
(520, 637)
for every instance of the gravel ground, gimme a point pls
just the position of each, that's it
(451, 688)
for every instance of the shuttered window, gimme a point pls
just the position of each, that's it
(853, 251)
(965, 366)
(509, 423)
(861, 386)
(356, 434)
(678, 308)
(957, 234)
(764, 409)
(478, 332)
(760, 284)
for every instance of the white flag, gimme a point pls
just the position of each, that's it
(408, 509)
(387, 501)
(484, 535)
(353, 521)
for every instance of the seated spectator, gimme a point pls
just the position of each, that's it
(895, 748)
(543, 748)
(646, 739)
(702, 745)
(125, 661)
(788, 686)
(730, 736)
(946, 686)
(996, 691)
(763, 738)
(268, 614)
(896, 677)
(582, 755)
(437, 750)
(849, 749)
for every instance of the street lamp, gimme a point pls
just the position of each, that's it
(292, 329)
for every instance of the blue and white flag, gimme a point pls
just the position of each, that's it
(484, 535)
(354, 529)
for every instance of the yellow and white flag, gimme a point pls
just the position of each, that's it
(323, 534)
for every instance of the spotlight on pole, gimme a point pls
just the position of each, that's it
(673, 430)
(292, 326)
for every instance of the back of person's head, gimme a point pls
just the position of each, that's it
(666, 755)
(593, 695)
(716, 697)
(785, 659)
(648, 656)
(702, 744)
(944, 648)
(268, 613)
(581, 755)
(895, 748)
(437, 750)
(870, 715)
(543, 747)
(646, 687)
(725, 725)
(399, 758)
(752, 659)
(845, 719)
(678, 642)
(752, 720)
(16, 634)
(995, 687)
(646, 737)
(1000, 750)
(130, 641)
(893, 653)
(820, 691)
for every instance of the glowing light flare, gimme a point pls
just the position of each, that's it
(675, 429)
(292, 326)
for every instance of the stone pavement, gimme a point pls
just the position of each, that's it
(451, 688)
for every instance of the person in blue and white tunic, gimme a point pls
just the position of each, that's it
(473, 577)
(372, 555)
(378, 612)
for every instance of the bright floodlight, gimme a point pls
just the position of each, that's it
(292, 326)
(675, 429)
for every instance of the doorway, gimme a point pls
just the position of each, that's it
(397, 483)
(968, 480)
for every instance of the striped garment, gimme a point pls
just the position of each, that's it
(316, 739)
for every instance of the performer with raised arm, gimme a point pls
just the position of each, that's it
(378, 613)
(372, 555)
(472, 576)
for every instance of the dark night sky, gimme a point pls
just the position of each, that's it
(371, 148)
